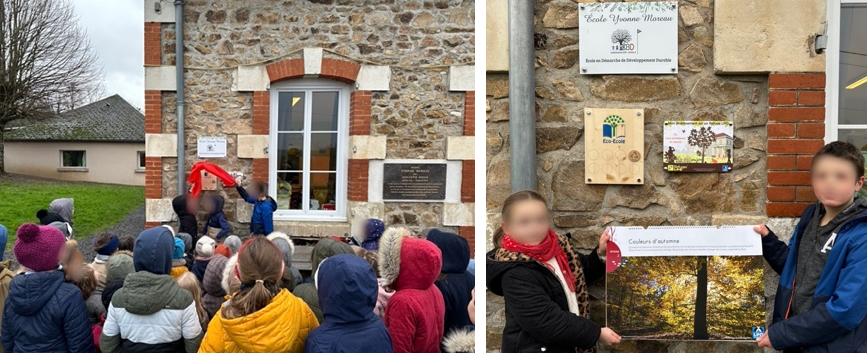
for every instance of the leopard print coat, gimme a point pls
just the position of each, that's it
(574, 264)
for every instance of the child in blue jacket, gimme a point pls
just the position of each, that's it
(217, 226)
(262, 220)
(820, 304)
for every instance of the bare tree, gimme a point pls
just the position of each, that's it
(620, 36)
(47, 64)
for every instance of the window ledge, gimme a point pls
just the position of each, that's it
(72, 169)
(139, 170)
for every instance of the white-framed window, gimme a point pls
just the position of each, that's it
(73, 159)
(140, 160)
(846, 73)
(308, 149)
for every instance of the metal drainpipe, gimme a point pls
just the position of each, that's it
(522, 112)
(179, 78)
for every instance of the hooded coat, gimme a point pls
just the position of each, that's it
(291, 276)
(281, 326)
(217, 219)
(45, 314)
(537, 309)
(118, 266)
(324, 249)
(46, 217)
(187, 221)
(455, 282)
(415, 313)
(347, 293)
(151, 313)
(64, 208)
(460, 341)
(213, 294)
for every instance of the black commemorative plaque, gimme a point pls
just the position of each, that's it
(416, 181)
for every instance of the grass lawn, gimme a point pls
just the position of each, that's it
(97, 206)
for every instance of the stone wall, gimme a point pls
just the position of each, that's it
(695, 93)
(416, 114)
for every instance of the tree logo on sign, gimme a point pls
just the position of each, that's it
(623, 41)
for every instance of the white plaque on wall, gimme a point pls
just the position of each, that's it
(628, 37)
(211, 147)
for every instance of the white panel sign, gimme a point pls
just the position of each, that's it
(212, 147)
(687, 241)
(628, 37)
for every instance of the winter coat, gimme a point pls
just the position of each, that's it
(347, 293)
(262, 220)
(45, 314)
(415, 313)
(217, 219)
(537, 311)
(187, 221)
(291, 275)
(64, 208)
(460, 341)
(836, 320)
(213, 293)
(324, 249)
(199, 268)
(282, 326)
(5, 279)
(455, 282)
(151, 314)
(100, 267)
(49, 217)
(95, 308)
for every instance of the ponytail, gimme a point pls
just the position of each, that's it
(259, 268)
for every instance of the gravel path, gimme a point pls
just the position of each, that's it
(132, 224)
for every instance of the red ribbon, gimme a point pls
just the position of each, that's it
(196, 176)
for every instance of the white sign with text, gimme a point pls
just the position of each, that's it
(687, 241)
(628, 37)
(211, 147)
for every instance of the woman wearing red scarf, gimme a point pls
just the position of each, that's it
(544, 282)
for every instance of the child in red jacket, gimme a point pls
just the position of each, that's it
(415, 313)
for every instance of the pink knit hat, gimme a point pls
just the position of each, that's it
(38, 247)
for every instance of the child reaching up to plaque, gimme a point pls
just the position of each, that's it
(262, 220)
(543, 281)
(820, 305)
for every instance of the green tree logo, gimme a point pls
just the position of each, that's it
(613, 121)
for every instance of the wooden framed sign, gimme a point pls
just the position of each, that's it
(614, 146)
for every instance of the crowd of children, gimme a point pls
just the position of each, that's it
(184, 291)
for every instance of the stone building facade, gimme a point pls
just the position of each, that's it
(394, 78)
(773, 90)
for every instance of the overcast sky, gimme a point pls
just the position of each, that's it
(116, 31)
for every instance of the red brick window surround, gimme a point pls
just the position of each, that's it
(796, 130)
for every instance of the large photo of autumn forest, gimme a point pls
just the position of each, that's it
(686, 297)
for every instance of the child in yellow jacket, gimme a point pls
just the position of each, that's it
(261, 317)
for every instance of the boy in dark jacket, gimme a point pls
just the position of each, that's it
(262, 220)
(455, 282)
(349, 323)
(217, 227)
(820, 304)
(43, 313)
(186, 212)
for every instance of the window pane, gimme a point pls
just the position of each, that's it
(290, 151)
(323, 151)
(324, 111)
(323, 191)
(73, 159)
(290, 111)
(141, 160)
(289, 186)
(853, 65)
